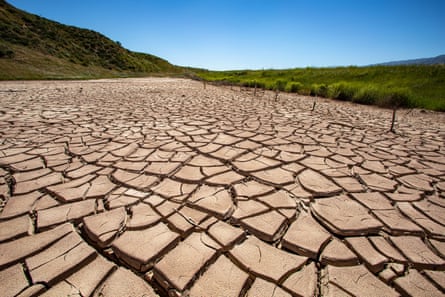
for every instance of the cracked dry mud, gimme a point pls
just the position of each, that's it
(157, 186)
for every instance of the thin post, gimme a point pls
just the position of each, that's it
(393, 120)
(313, 105)
(254, 90)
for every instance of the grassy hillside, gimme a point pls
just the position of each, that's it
(33, 47)
(388, 86)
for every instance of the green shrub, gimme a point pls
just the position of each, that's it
(246, 84)
(306, 91)
(395, 98)
(367, 95)
(314, 90)
(233, 81)
(319, 90)
(294, 87)
(342, 91)
(260, 85)
(389, 98)
(280, 85)
(270, 85)
(253, 84)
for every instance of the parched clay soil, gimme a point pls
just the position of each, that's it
(159, 186)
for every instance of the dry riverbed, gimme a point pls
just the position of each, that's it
(159, 186)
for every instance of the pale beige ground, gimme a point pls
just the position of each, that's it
(157, 186)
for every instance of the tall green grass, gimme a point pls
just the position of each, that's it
(387, 86)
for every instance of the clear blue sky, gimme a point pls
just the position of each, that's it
(256, 34)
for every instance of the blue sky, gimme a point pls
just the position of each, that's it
(256, 34)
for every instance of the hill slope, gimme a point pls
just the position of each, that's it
(426, 61)
(34, 47)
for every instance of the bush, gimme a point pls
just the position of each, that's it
(294, 87)
(253, 84)
(367, 95)
(342, 91)
(314, 90)
(390, 98)
(395, 98)
(233, 81)
(306, 91)
(280, 85)
(247, 84)
(319, 90)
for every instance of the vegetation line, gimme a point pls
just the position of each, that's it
(413, 86)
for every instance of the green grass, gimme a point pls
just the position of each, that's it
(34, 47)
(386, 86)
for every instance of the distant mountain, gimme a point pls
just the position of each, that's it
(426, 61)
(32, 47)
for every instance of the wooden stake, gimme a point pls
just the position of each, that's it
(393, 120)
